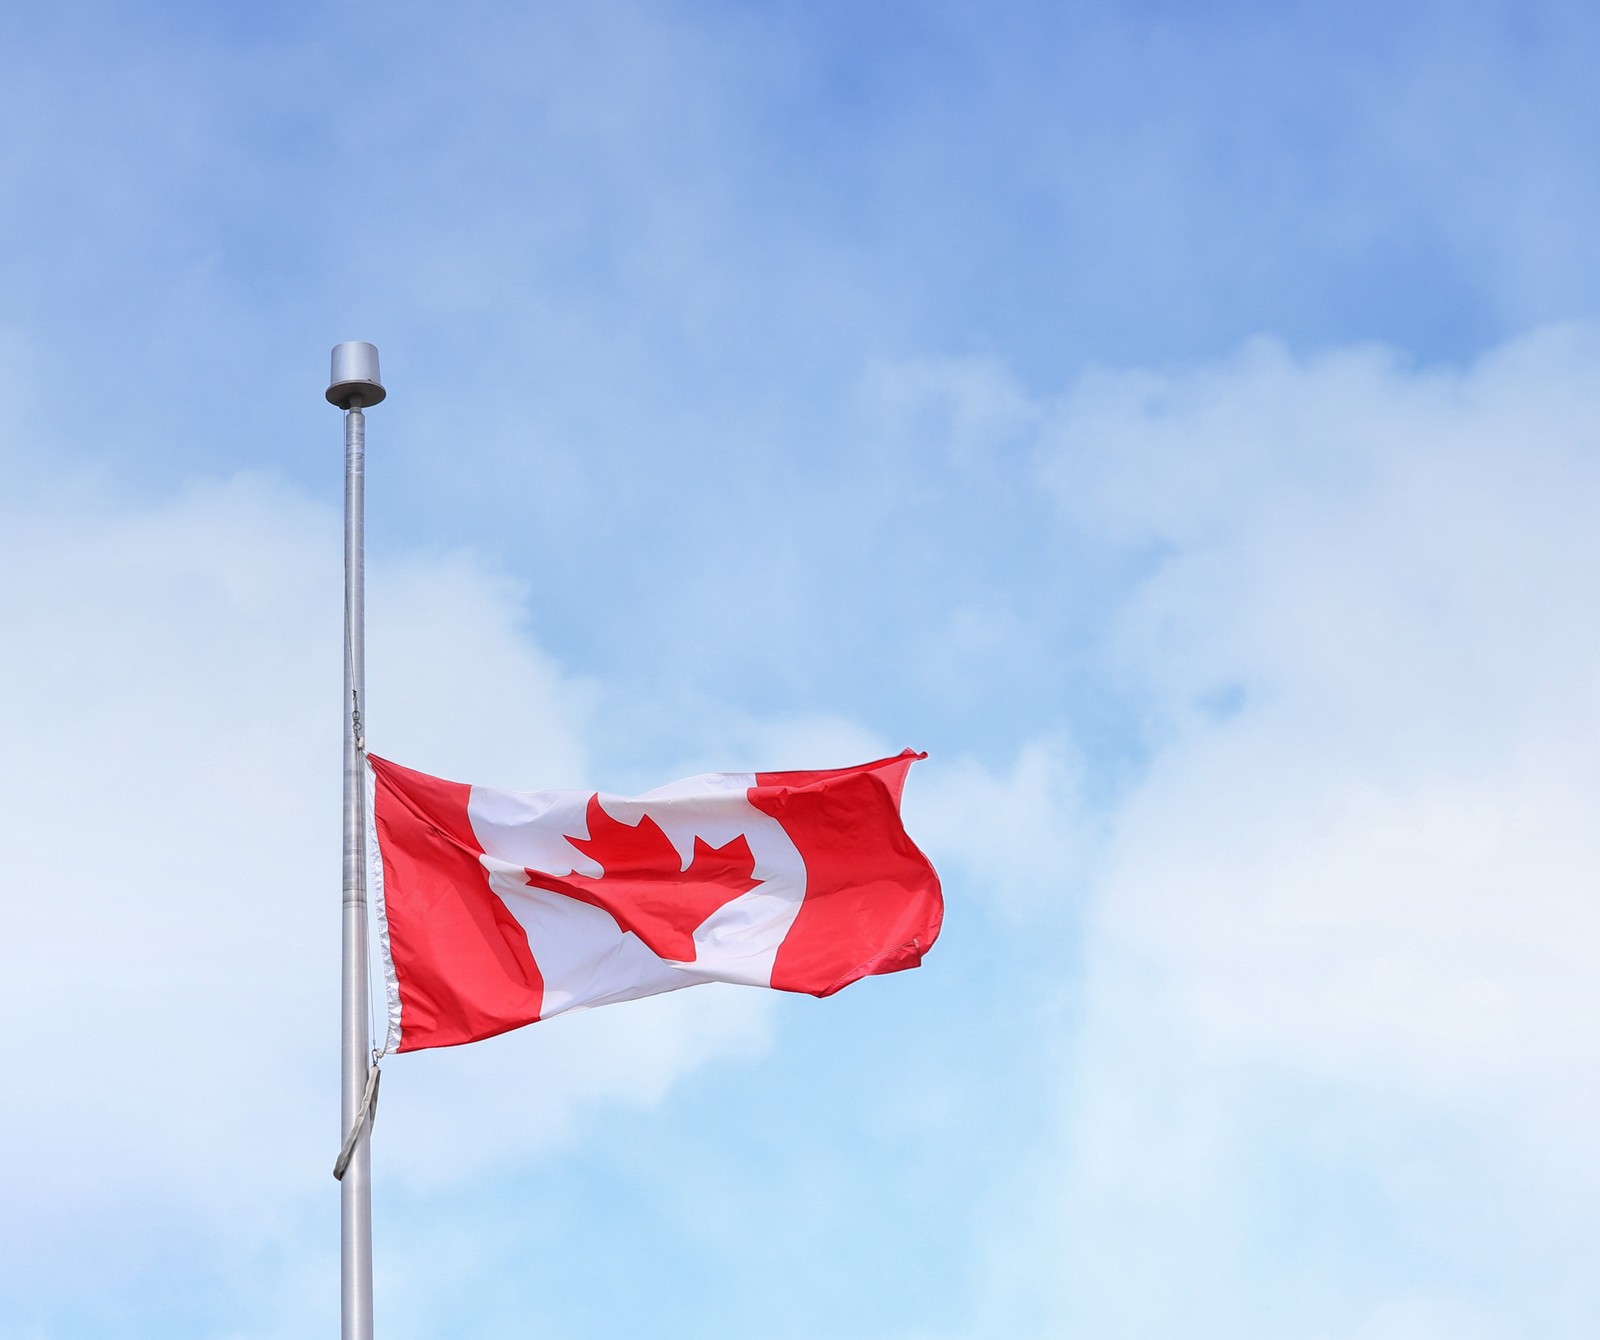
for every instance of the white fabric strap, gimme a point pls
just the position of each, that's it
(366, 1114)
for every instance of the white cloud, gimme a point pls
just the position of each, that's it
(1360, 863)
(1382, 852)
(1020, 836)
(169, 961)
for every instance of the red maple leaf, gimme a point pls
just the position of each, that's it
(645, 886)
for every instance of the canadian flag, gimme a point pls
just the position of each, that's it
(499, 908)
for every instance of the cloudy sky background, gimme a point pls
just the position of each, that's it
(1184, 422)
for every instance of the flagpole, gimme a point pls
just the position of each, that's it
(353, 386)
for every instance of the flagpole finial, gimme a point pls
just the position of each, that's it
(354, 382)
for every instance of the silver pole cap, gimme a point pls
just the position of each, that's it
(354, 381)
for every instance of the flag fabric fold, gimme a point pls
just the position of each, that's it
(496, 908)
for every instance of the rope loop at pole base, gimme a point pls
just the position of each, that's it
(366, 1115)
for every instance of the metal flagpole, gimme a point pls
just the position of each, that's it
(353, 386)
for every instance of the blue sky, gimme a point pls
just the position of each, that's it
(1180, 420)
